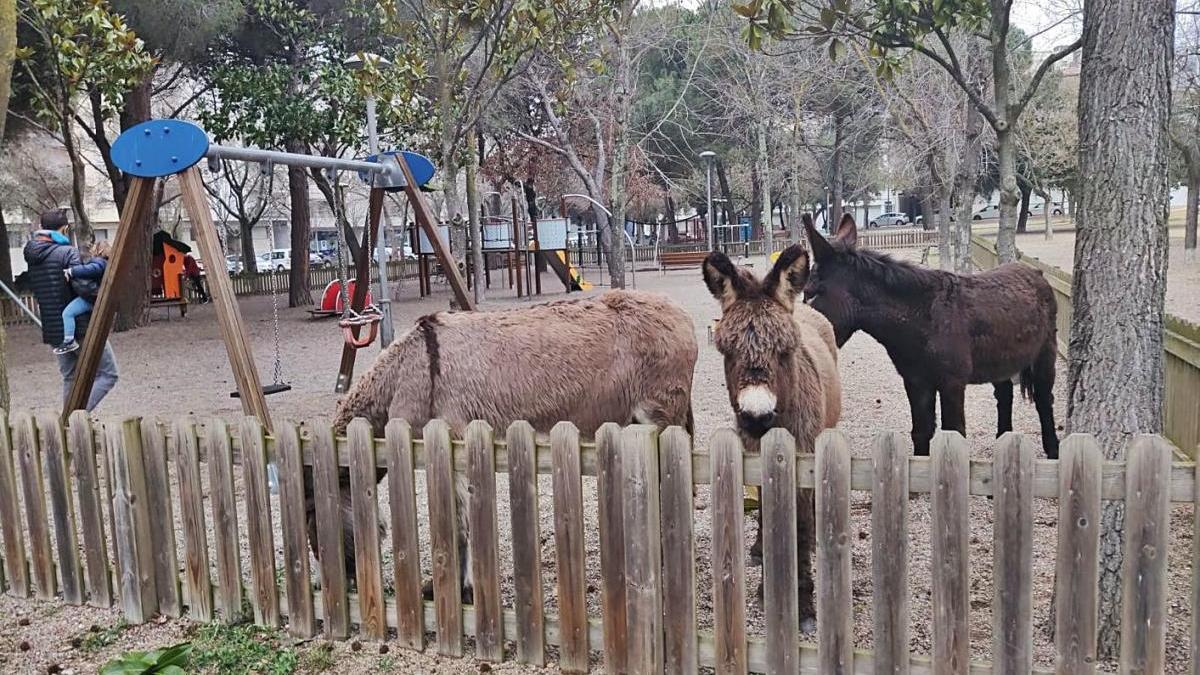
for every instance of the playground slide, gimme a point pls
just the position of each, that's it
(555, 262)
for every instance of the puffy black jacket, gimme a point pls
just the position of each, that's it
(46, 261)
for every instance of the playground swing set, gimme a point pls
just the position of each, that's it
(158, 149)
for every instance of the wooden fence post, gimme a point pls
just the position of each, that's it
(950, 532)
(679, 551)
(1012, 546)
(330, 541)
(10, 518)
(1076, 565)
(526, 544)
(728, 554)
(29, 455)
(82, 444)
(302, 621)
(62, 507)
(643, 548)
(835, 603)
(365, 507)
(781, 608)
(225, 520)
(160, 519)
(1144, 575)
(569, 548)
(133, 543)
(484, 542)
(197, 582)
(610, 517)
(889, 554)
(406, 552)
(443, 537)
(261, 534)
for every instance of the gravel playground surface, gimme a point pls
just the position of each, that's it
(179, 367)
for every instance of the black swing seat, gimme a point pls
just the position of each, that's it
(267, 390)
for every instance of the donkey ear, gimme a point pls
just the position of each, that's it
(847, 231)
(821, 248)
(787, 278)
(722, 278)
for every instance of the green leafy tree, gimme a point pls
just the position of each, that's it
(925, 27)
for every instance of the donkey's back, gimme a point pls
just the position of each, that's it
(1008, 314)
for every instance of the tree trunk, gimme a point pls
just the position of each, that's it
(133, 289)
(1193, 207)
(6, 274)
(620, 155)
(967, 174)
(299, 295)
(946, 259)
(473, 226)
(727, 195)
(756, 215)
(1010, 197)
(336, 206)
(246, 235)
(763, 205)
(797, 209)
(1047, 209)
(1023, 214)
(1115, 377)
(837, 176)
(81, 227)
(672, 226)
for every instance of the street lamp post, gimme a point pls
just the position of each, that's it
(386, 329)
(708, 156)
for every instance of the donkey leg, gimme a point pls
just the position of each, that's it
(1004, 400)
(1043, 398)
(461, 494)
(954, 417)
(806, 536)
(921, 405)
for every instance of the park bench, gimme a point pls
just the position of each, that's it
(680, 259)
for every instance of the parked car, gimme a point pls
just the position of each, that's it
(989, 211)
(233, 263)
(921, 218)
(1056, 209)
(888, 219)
(279, 260)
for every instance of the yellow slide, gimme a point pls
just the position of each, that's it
(574, 272)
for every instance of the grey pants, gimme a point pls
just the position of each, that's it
(106, 375)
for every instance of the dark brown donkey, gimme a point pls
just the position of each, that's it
(780, 370)
(942, 330)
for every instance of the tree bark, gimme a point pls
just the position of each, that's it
(133, 289)
(946, 259)
(967, 174)
(727, 195)
(1023, 214)
(837, 175)
(246, 237)
(763, 206)
(299, 294)
(1193, 204)
(1047, 209)
(6, 274)
(473, 226)
(1010, 195)
(621, 105)
(1115, 377)
(672, 226)
(756, 215)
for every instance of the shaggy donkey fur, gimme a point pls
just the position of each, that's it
(619, 357)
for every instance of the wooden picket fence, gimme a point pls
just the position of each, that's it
(147, 485)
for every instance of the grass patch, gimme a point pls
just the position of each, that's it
(100, 637)
(318, 659)
(386, 664)
(242, 649)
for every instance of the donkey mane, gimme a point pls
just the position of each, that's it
(898, 275)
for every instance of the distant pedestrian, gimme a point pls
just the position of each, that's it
(48, 255)
(191, 270)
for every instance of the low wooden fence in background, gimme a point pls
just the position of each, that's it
(647, 535)
(1181, 350)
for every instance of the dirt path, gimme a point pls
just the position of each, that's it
(179, 368)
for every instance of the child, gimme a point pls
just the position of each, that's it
(85, 282)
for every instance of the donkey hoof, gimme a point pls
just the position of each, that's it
(808, 625)
(755, 559)
(468, 595)
(427, 590)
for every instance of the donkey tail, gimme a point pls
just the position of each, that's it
(1027, 383)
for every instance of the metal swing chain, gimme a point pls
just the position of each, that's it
(278, 370)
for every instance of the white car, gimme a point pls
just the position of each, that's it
(888, 219)
(279, 260)
(987, 212)
(1056, 209)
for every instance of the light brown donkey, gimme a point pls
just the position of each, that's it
(619, 357)
(780, 370)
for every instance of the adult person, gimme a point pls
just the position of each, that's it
(48, 256)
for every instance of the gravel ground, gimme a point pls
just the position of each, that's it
(181, 367)
(1183, 275)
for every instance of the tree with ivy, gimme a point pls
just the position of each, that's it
(8, 53)
(926, 27)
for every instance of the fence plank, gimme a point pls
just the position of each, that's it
(29, 456)
(196, 581)
(161, 519)
(1012, 546)
(569, 548)
(679, 552)
(132, 526)
(224, 520)
(297, 581)
(728, 554)
(610, 518)
(484, 542)
(643, 548)
(1195, 569)
(530, 637)
(82, 445)
(265, 590)
(781, 608)
(835, 604)
(364, 482)
(951, 640)
(330, 540)
(10, 518)
(1144, 577)
(406, 553)
(1076, 571)
(62, 507)
(108, 479)
(443, 538)
(889, 554)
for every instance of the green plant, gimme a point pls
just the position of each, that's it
(318, 659)
(169, 661)
(386, 664)
(241, 650)
(99, 637)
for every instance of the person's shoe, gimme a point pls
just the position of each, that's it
(67, 347)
